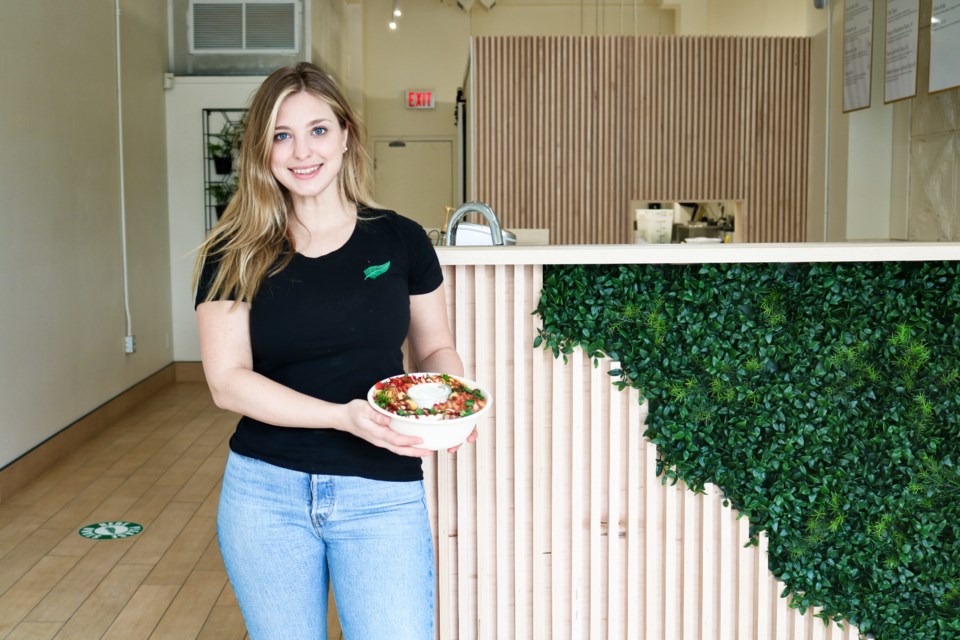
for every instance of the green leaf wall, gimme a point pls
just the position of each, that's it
(822, 399)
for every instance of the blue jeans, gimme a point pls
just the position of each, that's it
(284, 534)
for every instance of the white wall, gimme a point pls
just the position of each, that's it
(869, 167)
(63, 322)
(870, 152)
(185, 103)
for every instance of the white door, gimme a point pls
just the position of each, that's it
(415, 178)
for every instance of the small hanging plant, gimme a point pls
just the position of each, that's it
(822, 399)
(222, 192)
(224, 145)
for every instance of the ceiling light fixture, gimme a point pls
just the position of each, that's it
(395, 14)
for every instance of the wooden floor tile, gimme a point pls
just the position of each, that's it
(183, 554)
(69, 594)
(21, 559)
(16, 528)
(105, 603)
(189, 611)
(34, 631)
(21, 598)
(140, 616)
(224, 623)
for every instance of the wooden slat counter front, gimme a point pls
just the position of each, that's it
(554, 524)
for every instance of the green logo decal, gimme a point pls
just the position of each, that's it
(376, 270)
(110, 530)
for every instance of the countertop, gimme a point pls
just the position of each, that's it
(701, 253)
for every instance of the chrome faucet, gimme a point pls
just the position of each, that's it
(496, 233)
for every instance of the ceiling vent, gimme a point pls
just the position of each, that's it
(238, 26)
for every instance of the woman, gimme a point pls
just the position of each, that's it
(305, 295)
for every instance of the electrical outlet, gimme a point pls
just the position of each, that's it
(130, 344)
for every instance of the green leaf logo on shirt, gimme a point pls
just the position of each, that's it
(376, 270)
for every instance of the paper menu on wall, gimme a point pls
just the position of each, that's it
(945, 45)
(857, 53)
(900, 51)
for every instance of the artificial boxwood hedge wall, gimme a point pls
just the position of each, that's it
(823, 401)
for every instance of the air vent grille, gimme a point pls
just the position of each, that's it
(271, 26)
(231, 27)
(218, 26)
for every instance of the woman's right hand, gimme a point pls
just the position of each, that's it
(363, 422)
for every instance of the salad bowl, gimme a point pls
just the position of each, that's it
(440, 409)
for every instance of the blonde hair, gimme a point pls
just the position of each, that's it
(251, 240)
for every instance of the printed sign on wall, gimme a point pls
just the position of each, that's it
(945, 45)
(900, 52)
(857, 53)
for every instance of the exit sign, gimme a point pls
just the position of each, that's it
(420, 100)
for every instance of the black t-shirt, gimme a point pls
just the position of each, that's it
(330, 327)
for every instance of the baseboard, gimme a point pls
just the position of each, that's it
(35, 462)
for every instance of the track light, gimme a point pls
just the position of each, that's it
(395, 14)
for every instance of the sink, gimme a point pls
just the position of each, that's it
(471, 234)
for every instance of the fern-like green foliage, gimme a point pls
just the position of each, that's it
(822, 399)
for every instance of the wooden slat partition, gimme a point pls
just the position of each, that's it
(555, 525)
(566, 131)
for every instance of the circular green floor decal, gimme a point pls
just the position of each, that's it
(110, 530)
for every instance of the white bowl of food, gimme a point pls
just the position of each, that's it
(440, 409)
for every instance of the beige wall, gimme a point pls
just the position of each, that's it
(61, 276)
(328, 20)
(744, 17)
(757, 17)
